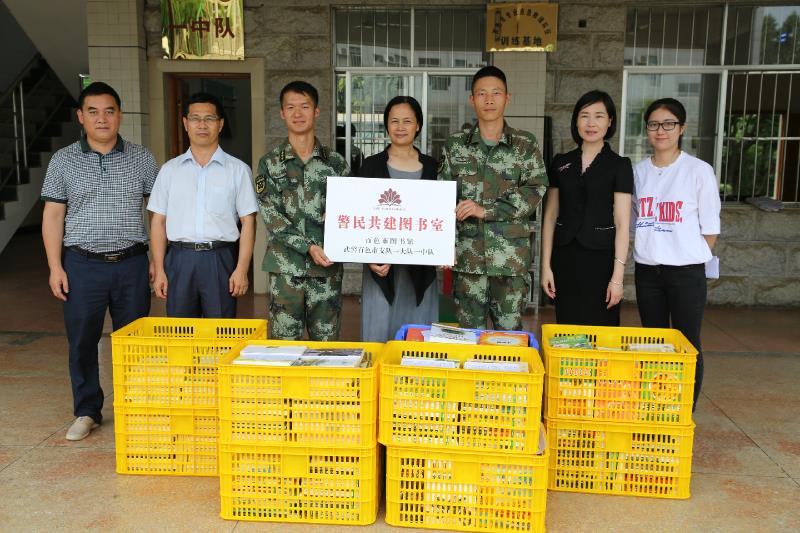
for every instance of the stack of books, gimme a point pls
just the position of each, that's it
(302, 356)
(455, 335)
(471, 364)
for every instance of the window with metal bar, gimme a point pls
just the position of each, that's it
(734, 67)
(673, 35)
(762, 136)
(427, 53)
(762, 35)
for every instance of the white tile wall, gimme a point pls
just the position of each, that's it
(117, 56)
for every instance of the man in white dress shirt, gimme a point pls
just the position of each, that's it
(197, 201)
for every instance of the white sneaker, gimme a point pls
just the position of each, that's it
(81, 428)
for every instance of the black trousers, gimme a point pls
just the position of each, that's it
(198, 283)
(122, 288)
(581, 276)
(674, 296)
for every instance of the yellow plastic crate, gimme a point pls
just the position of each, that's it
(166, 441)
(299, 406)
(465, 491)
(307, 485)
(619, 386)
(172, 362)
(614, 458)
(466, 410)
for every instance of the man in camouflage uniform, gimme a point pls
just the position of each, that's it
(305, 286)
(501, 179)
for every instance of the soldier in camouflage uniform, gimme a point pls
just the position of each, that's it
(501, 180)
(305, 286)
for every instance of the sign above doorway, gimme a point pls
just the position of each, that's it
(521, 27)
(202, 29)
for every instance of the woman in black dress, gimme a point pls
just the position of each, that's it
(586, 219)
(394, 295)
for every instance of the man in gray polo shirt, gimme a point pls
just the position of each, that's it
(95, 240)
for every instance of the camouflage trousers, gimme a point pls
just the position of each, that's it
(502, 298)
(299, 302)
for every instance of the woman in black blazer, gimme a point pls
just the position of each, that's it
(393, 295)
(586, 219)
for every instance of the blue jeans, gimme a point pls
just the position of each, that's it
(677, 295)
(95, 286)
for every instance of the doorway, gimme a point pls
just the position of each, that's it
(233, 90)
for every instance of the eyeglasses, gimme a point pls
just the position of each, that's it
(195, 119)
(667, 125)
(485, 94)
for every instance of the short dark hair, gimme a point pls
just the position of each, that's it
(300, 87)
(97, 88)
(398, 100)
(671, 105)
(487, 72)
(204, 98)
(592, 97)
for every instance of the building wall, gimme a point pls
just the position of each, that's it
(117, 57)
(760, 251)
(58, 30)
(589, 55)
(759, 255)
(18, 48)
(295, 39)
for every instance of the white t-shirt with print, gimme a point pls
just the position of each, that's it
(673, 207)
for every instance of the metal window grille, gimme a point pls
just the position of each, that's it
(675, 35)
(427, 53)
(762, 136)
(734, 67)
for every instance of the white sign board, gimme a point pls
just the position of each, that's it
(399, 222)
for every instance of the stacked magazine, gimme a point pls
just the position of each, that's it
(583, 342)
(256, 354)
(471, 364)
(455, 335)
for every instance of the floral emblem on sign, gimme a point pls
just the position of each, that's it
(389, 198)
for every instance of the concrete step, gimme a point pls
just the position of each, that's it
(34, 160)
(24, 174)
(9, 193)
(32, 115)
(13, 213)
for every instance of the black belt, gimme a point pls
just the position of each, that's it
(112, 257)
(202, 246)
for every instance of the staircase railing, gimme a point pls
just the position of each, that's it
(23, 139)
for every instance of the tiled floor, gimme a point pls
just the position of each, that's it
(746, 469)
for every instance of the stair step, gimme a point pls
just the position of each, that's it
(7, 159)
(9, 193)
(48, 114)
(24, 173)
(42, 144)
(31, 114)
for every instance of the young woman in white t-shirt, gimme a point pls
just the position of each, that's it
(676, 221)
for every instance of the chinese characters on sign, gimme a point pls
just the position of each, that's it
(372, 220)
(521, 27)
(202, 29)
